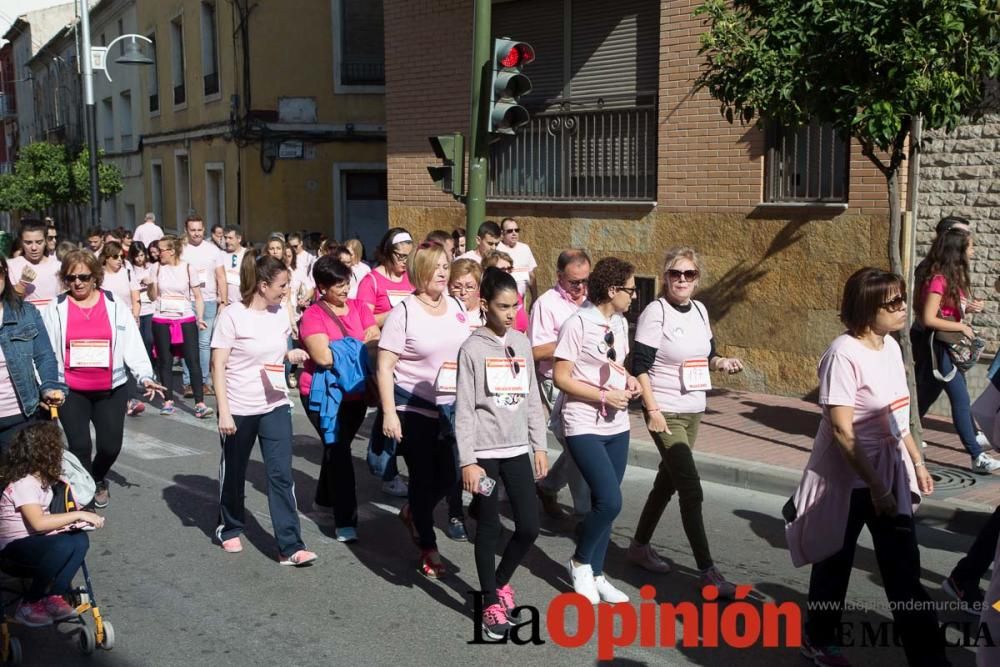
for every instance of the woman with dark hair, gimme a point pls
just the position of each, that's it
(97, 343)
(24, 350)
(388, 283)
(944, 303)
(334, 317)
(458, 234)
(865, 470)
(596, 390)
(141, 273)
(248, 351)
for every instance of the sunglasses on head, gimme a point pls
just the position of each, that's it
(609, 340)
(690, 275)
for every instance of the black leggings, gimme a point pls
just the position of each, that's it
(106, 410)
(165, 358)
(518, 475)
(430, 459)
(336, 487)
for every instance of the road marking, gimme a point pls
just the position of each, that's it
(142, 446)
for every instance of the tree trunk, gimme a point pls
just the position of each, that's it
(896, 264)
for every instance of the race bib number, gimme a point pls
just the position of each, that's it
(173, 304)
(85, 353)
(507, 375)
(899, 417)
(695, 375)
(447, 379)
(275, 374)
(617, 377)
(396, 296)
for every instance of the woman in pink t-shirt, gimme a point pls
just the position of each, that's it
(388, 283)
(865, 470)
(674, 352)
(596, 390)
(332, 318)
(944, 304)
(248, 351)
(417, 379)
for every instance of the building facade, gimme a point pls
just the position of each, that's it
(268, 115)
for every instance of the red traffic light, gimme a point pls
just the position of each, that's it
(517, 55)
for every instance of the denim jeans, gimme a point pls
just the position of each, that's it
(204, 345)
(957, 390)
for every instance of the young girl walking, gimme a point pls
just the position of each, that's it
(500, 427)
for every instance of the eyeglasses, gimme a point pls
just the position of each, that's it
(895, 304)
(630, 290)
(295, 248)
(400, 257)
(690, 275)
(578, 283)
(81, 277)
(512, 230)
(463, 289)
(510, 355)
(53, 237)
(609, 340)
(505, 269)
(114, 256)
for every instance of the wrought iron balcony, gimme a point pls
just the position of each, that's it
(356, 73)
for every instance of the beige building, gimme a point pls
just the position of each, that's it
(270, 117)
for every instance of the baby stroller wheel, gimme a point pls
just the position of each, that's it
(14, 651)
(109, 636)
(88, 640)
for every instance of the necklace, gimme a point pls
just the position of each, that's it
(87, 312)
(436, 304)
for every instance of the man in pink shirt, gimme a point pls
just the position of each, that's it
(148, 232)
(488, 237)
(548, 314)
(34, 275)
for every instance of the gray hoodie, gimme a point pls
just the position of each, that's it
(484, 420)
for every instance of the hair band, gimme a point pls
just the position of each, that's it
(402, 237)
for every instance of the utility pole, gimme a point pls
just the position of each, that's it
(479, 144)
(90, 111)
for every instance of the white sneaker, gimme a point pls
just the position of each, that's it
(608, 592)
(984, 464)
(582, 577)
(397, 487)
(983, 441)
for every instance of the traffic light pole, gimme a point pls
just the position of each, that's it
(90, 112)
(479, 145)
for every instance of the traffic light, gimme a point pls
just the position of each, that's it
(450, 149)
(508, 84)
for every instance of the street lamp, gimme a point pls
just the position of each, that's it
(98, 55)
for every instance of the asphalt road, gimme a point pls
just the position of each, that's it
(175, 598)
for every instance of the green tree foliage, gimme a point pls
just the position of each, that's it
(45, 175)
(109, 178)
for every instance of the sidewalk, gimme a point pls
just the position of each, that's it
(763, 442)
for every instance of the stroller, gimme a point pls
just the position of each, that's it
(96, 631)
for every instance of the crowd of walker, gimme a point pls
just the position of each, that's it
(469, 369)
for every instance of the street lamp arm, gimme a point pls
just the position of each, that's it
(131, 36)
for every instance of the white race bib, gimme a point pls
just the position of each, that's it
(618, 376)
(507, 375)
(396, 296)
(447, 379)
(899, 417)
(276, 376)
(173, 304)
(86, 353)
(695, 375)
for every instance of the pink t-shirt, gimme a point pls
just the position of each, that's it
(582, 341)
(8, 396)
(548, 314)
(88, 325)
(205, 258)
(25, 491)
(173, 292)
(46, 285)
(316, 320)
(255, 339)
(138, 273)
(521, 317)
(375, 289)
(120, 286)
(677, 337)
(147, 233)
(424, 343)
(939, 285)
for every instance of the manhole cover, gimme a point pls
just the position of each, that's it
(950, 481)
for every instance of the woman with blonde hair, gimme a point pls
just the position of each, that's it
(674, 352)
(358, 267)
(463, 284)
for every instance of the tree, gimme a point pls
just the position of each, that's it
(870, 68)
(109, 178)
(46, 175)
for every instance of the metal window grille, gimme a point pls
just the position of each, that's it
(807, 164)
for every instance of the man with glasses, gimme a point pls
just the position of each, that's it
(34, 275)
(524, 260)
(51, 237)
(232, 260)
(488, 237)
(148, 232)
(550, 311)
(209, 265)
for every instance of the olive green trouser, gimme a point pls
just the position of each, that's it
(677, 473)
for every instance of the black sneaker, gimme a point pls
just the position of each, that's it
(456, 530)
(102, 496)
(970, 596)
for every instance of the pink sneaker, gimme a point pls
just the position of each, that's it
(58, 609)
(232, 546)
(299, 558)
(506, 595)
(33, 614)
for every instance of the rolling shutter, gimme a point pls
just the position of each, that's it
(539, 23)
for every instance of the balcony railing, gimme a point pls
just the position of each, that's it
(362, 73)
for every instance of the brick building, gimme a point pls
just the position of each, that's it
(623, 158)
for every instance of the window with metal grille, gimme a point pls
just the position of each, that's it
(807, 164)
(362, 38)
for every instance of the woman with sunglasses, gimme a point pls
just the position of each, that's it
(865, 469)
(674, 352)
(596, 390)
(505, 263)
(388, 283)
(500, 429)
(97, 343)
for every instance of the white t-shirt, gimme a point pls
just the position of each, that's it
(231, 262)
(678, 337)
(358, 271)
(121, 284)
(548, 314)
(46, 285)
(425, 343)
(582, 341)
(473, 255)
(524, 263)
(255, 339)
(173, 292)
(147, 233)
(138, 273)
(205, 258)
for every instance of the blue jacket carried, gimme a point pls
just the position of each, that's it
(347, 376)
